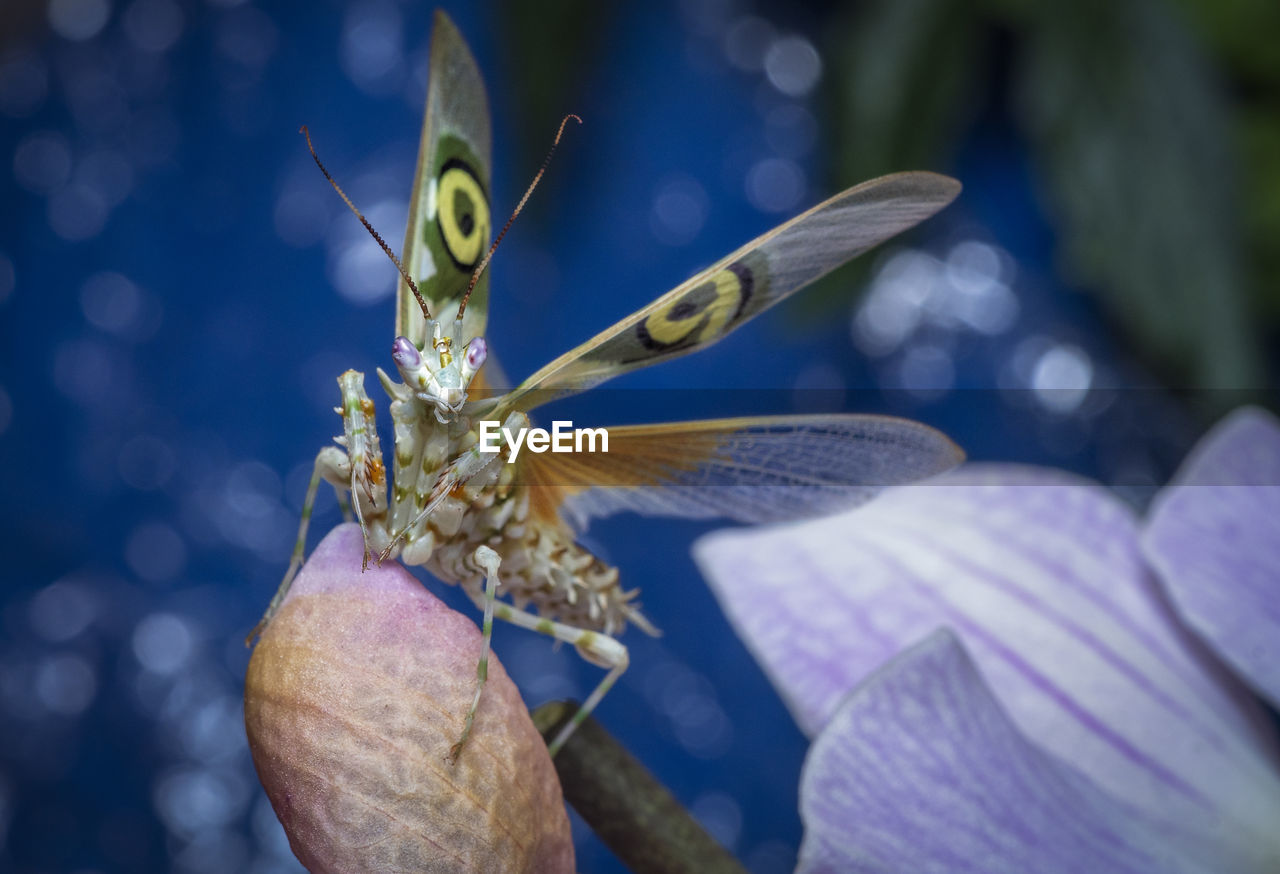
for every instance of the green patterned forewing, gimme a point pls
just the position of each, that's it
(449, 219)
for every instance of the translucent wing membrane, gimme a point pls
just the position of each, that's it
(765, 469)
(703, 309)
(449, 222)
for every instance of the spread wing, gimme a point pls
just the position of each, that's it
(763, 469)
(703, 309)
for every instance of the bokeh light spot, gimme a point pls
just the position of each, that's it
(793, 66)
(78, 20)
(214, 730)
(894, 307)
(775, 184)
(194, 800)
(361, 271)
(1061, 378)
(372, 47)
(61, 611)
(679, 211)
(108, 173)
(721, 815)
(66, 684)
(253, 489)
(111, 302)
(979, 297)
(926, 371)
(77, 213)
(163, 643)
(42, 162)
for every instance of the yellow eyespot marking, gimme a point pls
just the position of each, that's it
(463, 214)
(700, 314)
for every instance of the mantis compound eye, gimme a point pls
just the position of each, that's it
(477, 351)
(405, 354)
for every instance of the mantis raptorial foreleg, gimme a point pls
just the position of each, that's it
(332, 466)
(359, 471)
(466, 467)
(596, 647)
(368, 476)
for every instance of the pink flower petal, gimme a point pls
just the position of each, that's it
(921, 770)
(1214, 539)
(1040, 575)
(355, 695)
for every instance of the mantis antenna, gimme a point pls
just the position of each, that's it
(475, 277)
(368, 227)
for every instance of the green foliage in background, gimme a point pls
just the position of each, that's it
(1164, 183)
(548, 52)
(1243, 36)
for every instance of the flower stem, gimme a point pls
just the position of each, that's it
(629, 810)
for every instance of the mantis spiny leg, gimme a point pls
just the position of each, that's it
(490, 561)
(594, 646)
(332, 466)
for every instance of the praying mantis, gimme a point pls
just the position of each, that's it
(504, 525)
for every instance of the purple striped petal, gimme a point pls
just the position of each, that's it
(921, 770)
(1041, 576)
(1214, 540)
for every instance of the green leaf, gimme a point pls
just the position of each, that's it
(898, 93)
(1134, 144)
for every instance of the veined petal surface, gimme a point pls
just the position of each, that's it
(920, 770)
(1214, 539)
(1041, 576)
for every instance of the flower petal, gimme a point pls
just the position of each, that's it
(921, 770)
(1040, 575)
(1214, 539)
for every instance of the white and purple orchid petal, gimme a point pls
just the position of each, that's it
(1214, 539)
(921, 770)
(1041, 576)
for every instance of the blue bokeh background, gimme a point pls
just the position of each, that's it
(179, 289)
